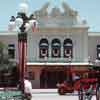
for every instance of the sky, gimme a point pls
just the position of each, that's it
(87, 9)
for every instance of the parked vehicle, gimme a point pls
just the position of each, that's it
(81, 81)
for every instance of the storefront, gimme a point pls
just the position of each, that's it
(47, 76)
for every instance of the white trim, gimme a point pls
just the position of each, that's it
(47, 63)
(93, 33)
(8, 33)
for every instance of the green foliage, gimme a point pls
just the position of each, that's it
(2, 45)
(5, 62)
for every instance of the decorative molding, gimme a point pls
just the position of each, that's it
(56, 11)
(43, 11)
(67, 10)
(60, 30)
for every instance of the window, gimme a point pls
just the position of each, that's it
(68, 48)
(56, 48)
(43, 48)
(98, 51)
(11, 51)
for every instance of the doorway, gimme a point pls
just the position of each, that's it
(49, 78)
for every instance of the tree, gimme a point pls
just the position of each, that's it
(8, 68)
(2, 46)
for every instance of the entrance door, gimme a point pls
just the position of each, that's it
(51, 78)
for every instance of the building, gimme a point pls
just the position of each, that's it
(61, 40)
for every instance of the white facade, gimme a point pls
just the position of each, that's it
(10, 38)
(60, 25)
(80, 40)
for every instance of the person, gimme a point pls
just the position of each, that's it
(27, 88)
(76, 77)
(89, 92)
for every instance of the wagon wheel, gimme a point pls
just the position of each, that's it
(98, 92)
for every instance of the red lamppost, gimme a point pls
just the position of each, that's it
(24, 23)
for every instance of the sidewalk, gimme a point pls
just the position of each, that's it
(50, 91)
(44, 91)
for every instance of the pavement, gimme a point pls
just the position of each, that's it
(43, 91)
(51, 94)
(51, 91)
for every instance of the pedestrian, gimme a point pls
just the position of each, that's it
(89, 92)
(76, 77)
(27, 88)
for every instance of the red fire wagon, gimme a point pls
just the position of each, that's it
(82, 81)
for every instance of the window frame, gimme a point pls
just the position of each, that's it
(56, 45)
(68, 46)
(43, 45)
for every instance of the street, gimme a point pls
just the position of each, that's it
(52, 94)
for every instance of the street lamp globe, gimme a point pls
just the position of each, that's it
(27, 26)
(23, 8)
(12, 24)
(19, 22)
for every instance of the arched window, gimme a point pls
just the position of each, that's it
(98, 51)
(56, 48)
(68, 48)
(43, 48)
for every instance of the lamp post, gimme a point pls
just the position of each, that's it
(23, 23)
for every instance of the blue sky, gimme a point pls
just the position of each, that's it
(88, 9)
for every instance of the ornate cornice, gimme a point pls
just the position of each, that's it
(55, 11)
(60, 30)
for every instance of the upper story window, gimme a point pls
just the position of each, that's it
(11, 51)
(43, 48)
(98, 51)
(68, 48)
(56, 48)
